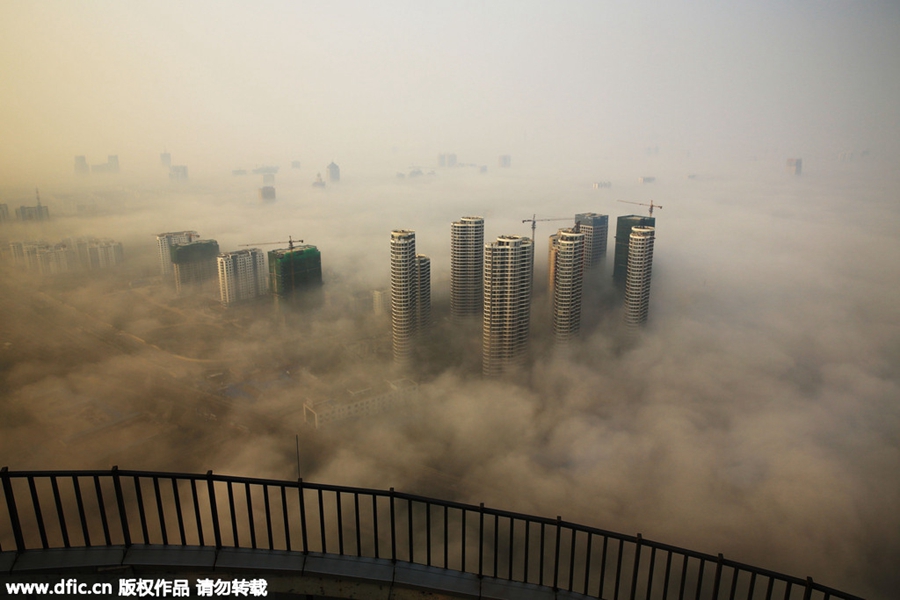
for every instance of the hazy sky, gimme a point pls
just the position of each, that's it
(222, 83)
(757, 415)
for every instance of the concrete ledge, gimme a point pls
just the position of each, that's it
(57, 559)
(6, 561)
(260, 560)
(170, 556)
(500, 589)
(464, 585)
(290, 574)
(373, 569)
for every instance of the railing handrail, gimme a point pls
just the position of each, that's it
(210, 480)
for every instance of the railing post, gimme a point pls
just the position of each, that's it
(393, 530)
(13, 512)
(120, 503)
(481, 540)
(718, 579)
(556, 554)
(807, 592)
(302, 517)
(637, 564)
(214, 508)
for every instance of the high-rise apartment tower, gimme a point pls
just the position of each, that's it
(242, 275)
(567, 249)
(637, 282)
(508, 265)
(410, 294)
(423, 300)
(466, 267)
(595, 229)
(164, 243)
(194, 263)
(624, 225)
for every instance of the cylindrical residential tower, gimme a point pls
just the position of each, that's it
(508, 265)
(404, 293)
(466, 267)
(637, 281)
(567, 276)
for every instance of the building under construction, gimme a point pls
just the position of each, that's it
(295, 269)
(624, 225)
(195, 264)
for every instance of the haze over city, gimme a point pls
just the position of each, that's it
(755, 414)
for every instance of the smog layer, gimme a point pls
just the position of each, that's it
(755, 415)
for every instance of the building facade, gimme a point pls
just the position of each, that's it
(624, 225)
(164, 244)
(295, 270)
(567, 265)
(33, 213)
(637, 283)
(194, 264)
(596, 231)
(242, 275)
(334, 172)
(508, 265)
(423, 298)
(410, 295)
(466, 267)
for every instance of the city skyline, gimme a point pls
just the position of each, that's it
(753, 414)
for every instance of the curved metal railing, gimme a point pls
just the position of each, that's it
(52, 509)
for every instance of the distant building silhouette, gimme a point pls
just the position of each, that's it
(4, 213)
(505, 161)
(33, 213)
(81, 165)
(165, 159)
(334, 173)
(267, 193)
(111, 165)
(794, 166)
(451, 160)
(380, 299)
(178, 172)
(508, 265)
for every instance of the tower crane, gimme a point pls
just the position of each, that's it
(651, 205)
(533, 220)
(290, 243)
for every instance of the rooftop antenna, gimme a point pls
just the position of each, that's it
(38, 194)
